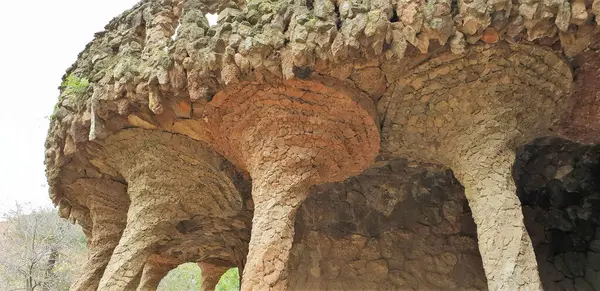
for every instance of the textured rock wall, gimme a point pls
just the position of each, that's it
(560, 192)
(581, 123)
(393, 227)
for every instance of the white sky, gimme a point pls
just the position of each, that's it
(39, 40)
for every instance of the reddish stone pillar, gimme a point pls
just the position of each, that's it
(211, 274)
(289, 136)
(154, 271)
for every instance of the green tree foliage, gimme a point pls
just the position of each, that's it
(230, 281)
(40, 251)
(188, 277)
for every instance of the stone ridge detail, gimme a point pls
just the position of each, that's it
(175, 141)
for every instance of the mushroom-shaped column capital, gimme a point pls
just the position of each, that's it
(289, 136)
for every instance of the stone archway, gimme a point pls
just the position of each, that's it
(469, 113)
(205, 275)
(394, 227)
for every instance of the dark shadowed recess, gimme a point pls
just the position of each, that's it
(392, 227)
(559, 187)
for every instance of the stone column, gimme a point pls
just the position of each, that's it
(469, 114)
(280, 184)
(145, 229)
(108, 205)
(272, 234)
(506, 250)
(170, 179)
(154, 271)
(211, 274)
(289, 136)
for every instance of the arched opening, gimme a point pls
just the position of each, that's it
(394, 227)
(558, 185)
(186, 276)
(189, 276)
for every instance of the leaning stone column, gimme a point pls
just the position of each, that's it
(289, 136)
(211, 274)
(108, 203)
(154, 271)
(170, 179)
(141, 234)
(506, 250)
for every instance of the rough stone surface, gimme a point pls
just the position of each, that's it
(560, 192)
(391, 228)
(273, 140)
(155, 269)
(467, 113)
(211, 274)
(108, 205)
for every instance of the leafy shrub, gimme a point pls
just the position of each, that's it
(74, 85)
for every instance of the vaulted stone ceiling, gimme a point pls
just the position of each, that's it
(335, 144)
